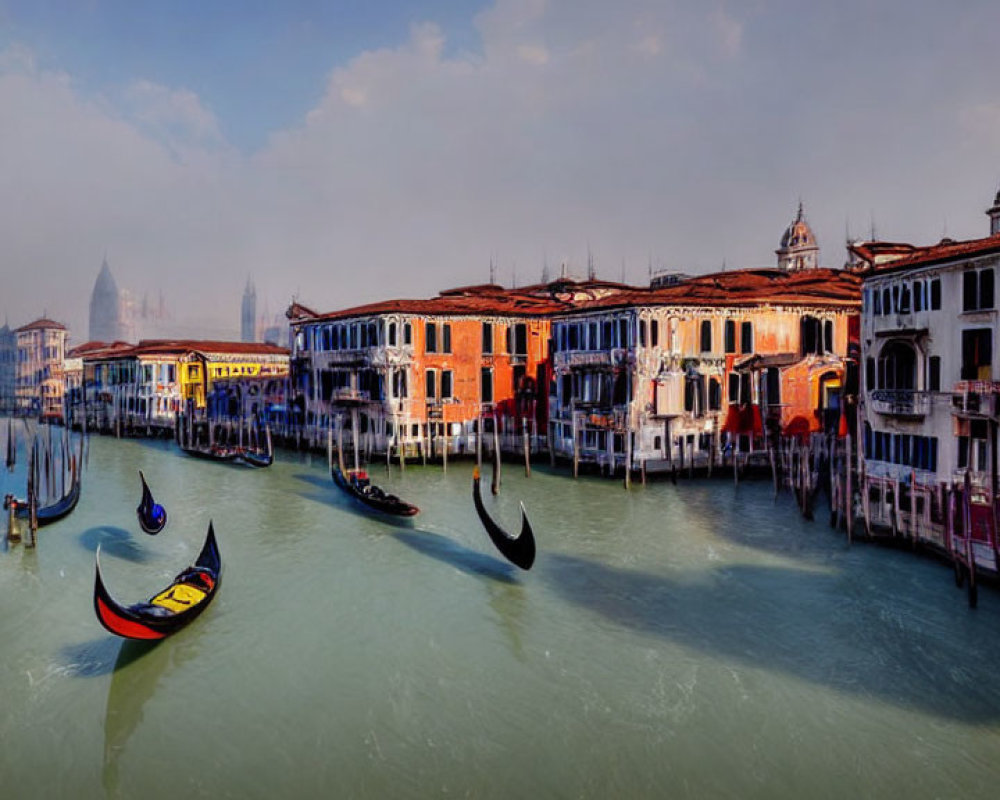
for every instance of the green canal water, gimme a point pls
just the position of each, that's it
(698, 640)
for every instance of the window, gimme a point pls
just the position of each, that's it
(486, 384)
(521, 339)
(488, 337)
(772, 386)
(977, 289)
(714, 394)
(810, 328)
(934, 373)
(392, 334)
(430, 338)
(446, 338)
(918, 296)
(446, 384)
(904, 299)
(706, 336)
(654, 333)
(642, 333)
(407, 333)
(399, 383)
(977, 354)
(746, 337)
(431, 387)
(730, 336)
(897, 367)
(828, 336)
(935, 294)
(734, 387)
(869, 373)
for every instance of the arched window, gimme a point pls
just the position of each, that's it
(897, 366)
(706, 336)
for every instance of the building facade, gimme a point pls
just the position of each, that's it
(39, 383)
(931, 383)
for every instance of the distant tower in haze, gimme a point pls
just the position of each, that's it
(105, 311)
(248, 315)
(798, 246)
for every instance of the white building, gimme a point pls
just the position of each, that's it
(931, 392)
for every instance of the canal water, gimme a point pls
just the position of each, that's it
(698, 640)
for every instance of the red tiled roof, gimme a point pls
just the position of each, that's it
(749, 287)
(943, 251)
(178, 347)
(40, 324)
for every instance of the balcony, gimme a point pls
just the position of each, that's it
(900, 402)
(975, 399)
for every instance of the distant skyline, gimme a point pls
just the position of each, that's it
(342, 152)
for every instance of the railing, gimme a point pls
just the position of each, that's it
(900, 402)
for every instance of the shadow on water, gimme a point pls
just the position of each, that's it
(90, 659)
(116, 541)
(138, 670)
(450, 552)
(814, 626)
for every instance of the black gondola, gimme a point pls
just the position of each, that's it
(152, 516)
(357, 484)
(167, 611)
(46, 515)
(519, 551)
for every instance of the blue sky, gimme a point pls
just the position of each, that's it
(343, 152)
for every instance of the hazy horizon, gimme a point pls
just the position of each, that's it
(341, 153)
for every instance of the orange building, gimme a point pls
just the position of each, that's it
(421, 373)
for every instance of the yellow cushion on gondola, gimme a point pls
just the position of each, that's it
(179, 597)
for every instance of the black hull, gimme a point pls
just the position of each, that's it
(148, 622)
(149, 520)
(46, 515)
(520, 551)
(386, 503)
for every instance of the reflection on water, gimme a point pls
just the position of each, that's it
(133, 684)
(699, 640)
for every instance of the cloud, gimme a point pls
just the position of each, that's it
(175, 115)
(641, 131)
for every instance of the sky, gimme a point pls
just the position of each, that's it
(342, 152)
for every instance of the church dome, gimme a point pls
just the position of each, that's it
(798, 234)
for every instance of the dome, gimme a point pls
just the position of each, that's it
(798, 234)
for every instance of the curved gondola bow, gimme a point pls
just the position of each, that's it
(519, 551)
(169, 610)
(152, 516)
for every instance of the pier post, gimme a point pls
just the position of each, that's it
(527, 447)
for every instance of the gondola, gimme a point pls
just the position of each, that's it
(357, 484)
(213, 452)
(519, 551)
(152, 516)
(253, 458)
(169, 610)
(54, 512)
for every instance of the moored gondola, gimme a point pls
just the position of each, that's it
(46, 515)
(152, 516)
(357, 484)
(169, 610)
(519, 551)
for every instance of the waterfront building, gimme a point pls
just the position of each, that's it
(8, 370)
(248, 314)
(676, 376)
(929, 406)
(421, 374)
(142, 387)
(105, 308)
(39, 385)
